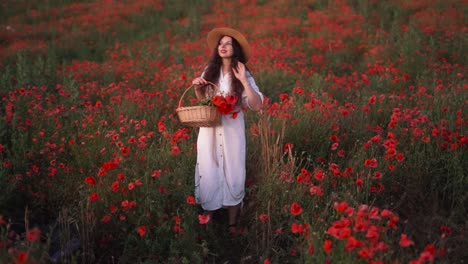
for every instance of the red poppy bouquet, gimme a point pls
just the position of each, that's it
(225, 104)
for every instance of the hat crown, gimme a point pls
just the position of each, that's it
(215, 34)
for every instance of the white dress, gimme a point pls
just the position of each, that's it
(221, 151)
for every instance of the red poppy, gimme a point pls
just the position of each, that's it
(327, 246)
(22, 258)
(373, 233)
(400, 157)
(234, 115)
(371, 163)
(231, 99)
(365, 253)
(175, 150)
(263, 217)
(316, 190)
(296, 209)
(288, 146)
(33, 235)
(359, 183)
(298, 228)
(310, 249)
(156, 173)
(405, 241)
(191, 200)
(226, 109)
(141, 230)
(203, 219)
(319, 174)
(125, 151)
(113, 208)
(352, 243)
(90, 180)
(115, 186)
(219, 101)
(105, 219)
(378, 175)
(341, 207)
(94, 197)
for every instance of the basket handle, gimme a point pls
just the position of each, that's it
(186, 90)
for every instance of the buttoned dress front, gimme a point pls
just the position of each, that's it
(221, 151)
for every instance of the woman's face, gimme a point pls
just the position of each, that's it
(225, 49)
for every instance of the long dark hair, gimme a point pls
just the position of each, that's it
(214, 66)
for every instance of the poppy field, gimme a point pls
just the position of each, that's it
(357, 156)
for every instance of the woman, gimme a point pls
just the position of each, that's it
(221, 150)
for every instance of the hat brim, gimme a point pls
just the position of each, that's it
(215, 34)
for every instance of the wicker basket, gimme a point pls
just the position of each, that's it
(198, 116)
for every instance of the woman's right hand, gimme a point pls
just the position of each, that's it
(199, 82)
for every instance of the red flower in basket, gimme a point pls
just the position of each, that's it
(225, 104)
(231, 99)
(219, 101)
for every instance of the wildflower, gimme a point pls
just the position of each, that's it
(341, 207)
(319, 174)
(156, 174)
(141, 230)
(310, 249)
(298, 228)
(365, 253)
(33, 235)
(191, 200)
(327, 246)
(405, 241)
(378, 175)
(400, 157)
(105, 219)
(115, 186)
(263, 217)
(371, 163)
(352, 243)
(113, 208)
(94, 197)
(287, 147)
(90, 180)
(296, 209)
(316, 190)
(231, 99)
(175, 150)
(203, 219)
(22, 258)
(359, 183)
(373, 233)
(161, 126)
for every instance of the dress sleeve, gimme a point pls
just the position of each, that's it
(254, 86)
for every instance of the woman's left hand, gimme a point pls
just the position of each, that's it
(239, 72)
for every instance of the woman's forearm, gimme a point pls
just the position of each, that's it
(253, 98)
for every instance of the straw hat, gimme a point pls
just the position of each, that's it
(215, 34)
